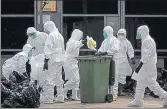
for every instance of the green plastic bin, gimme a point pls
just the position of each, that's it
(94, 78)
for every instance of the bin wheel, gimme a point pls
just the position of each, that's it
(109, 98)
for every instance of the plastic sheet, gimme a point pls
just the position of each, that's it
(19, 93)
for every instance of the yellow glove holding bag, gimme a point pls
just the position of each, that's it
(91, 43)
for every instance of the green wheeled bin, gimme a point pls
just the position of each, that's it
(94, 78)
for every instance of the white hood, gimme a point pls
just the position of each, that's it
(109, 30)
(76, 35)
(144, 31)
(49, 26)
(27, 48)
(31, 30)
(121, 31)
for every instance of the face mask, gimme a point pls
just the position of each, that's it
(33, 37)
(30, 54)
(105, 35)
(46, 31)
(121, 37)
(139, 35)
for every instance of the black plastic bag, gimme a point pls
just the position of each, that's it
(14, 99)
(4, 93)
(28, 97)
(31, 96)
(18, 92)
(15, 77)
(10, 103)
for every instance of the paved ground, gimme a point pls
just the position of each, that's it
(122, 102)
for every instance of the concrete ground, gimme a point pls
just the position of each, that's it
(121, 102)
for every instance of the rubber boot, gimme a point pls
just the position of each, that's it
(65, 94)
(59, 99)
(136, 103)
(74, 95)
(138, 98)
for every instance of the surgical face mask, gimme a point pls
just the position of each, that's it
(46, 31)
(121, 35)
(139, 35)
(105, 35)
(33, 36)
(30, 54)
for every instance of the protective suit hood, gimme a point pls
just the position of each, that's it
(27, 48)
(144, 31)
(77, 35)
(109, 30)
(31, 30)
(49, 26)
(121, 31)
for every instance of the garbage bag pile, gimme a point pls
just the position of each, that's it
(130, 85)
(162, 78)
(18, 92)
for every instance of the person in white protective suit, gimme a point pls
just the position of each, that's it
(18, 62)
(37, 40)
(71, 64)
(126, 50)
(146, 72)
(54, 57)
(110, 46)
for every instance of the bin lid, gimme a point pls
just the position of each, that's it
(92, 57)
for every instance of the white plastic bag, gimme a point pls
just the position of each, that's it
(37, 63)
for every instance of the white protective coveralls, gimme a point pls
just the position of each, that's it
(71, 64)
(111, 46)
(54, 51)
(37, 40)
(147, 75)
(126, 50)
(16, 63)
